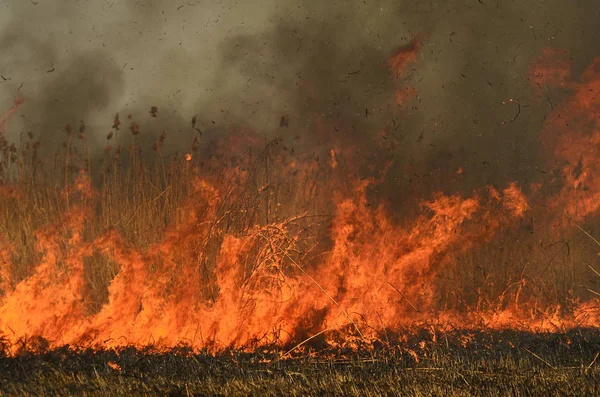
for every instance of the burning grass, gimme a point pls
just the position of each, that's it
(245, 244)
(252, 244)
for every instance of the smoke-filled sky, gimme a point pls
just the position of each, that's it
(250, 62)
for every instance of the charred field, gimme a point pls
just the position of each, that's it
(349, 246)
(458, 363)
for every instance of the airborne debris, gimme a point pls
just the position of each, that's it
(116, 122)
(518, 109)
(194, 124)
(81, 132)
(195, 144)
(134, 128)
(421, 136)
(348, 74)
(284, 121)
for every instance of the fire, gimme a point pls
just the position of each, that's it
(572, 134)
(403, 95)
(552, 69)
(514, 201)
(114, 366)
(398, 62)
(6, 116)
(333, 159)
(255, 256)
(405, 55)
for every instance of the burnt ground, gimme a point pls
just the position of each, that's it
(456, 363)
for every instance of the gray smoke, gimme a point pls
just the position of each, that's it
(248, 63)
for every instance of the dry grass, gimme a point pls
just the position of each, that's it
(141, 195)
(490, 364)
(140, 192)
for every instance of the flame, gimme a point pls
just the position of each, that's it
(404, 95)
(552, 69)
(6, 116)
(404, 56)
(114, 366)
(398, 62)
(157, 295)
(572, 134)
(333, 159)
(250, 260)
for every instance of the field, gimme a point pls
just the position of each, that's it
(428, 359)
(245, 265)
(459, 363)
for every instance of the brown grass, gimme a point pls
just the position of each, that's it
(139, 192)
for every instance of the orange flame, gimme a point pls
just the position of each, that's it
(572, 134)
(398, 63)
(371, 265)
(222, 276)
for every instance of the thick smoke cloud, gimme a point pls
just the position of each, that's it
(251, 62)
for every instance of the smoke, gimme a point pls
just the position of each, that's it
(250, 63)
(62, 82)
